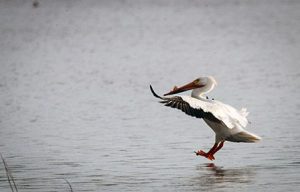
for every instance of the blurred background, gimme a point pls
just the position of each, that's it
(75, 102)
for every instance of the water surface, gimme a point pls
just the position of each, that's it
(75, 100)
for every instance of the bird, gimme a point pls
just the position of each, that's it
(227, 122)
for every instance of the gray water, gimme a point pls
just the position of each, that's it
(75, 100)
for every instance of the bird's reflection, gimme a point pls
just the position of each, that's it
(218, 171)
(212, 176)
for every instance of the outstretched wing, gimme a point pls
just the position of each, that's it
(178, 103)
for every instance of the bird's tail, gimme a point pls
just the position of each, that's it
(245, 137)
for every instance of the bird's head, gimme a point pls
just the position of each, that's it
(197, 83)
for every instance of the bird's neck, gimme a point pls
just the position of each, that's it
(199, 93)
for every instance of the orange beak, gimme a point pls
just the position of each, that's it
(186, 87)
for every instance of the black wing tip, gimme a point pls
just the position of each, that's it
(155, 95)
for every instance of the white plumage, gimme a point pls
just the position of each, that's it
(227, 122)
(225, 113)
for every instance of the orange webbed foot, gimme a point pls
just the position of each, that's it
(206, 155)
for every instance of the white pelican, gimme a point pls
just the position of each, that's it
(226, 121)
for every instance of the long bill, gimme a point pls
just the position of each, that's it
(186, 87)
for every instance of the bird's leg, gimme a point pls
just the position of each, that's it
(209, 155)
(218, 148)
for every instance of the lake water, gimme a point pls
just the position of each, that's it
(75, 100)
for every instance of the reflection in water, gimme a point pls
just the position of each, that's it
(215, 177)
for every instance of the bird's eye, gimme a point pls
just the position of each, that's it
(197, 81)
